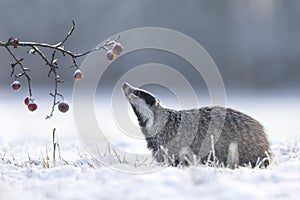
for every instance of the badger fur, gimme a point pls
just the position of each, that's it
(179, 137)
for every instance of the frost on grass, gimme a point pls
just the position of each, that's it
(76, 174)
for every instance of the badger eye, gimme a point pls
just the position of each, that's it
(137, 93)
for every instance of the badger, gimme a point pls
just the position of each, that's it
(179, 137)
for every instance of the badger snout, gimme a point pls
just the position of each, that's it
(127, 89)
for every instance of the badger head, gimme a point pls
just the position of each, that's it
(142, 103)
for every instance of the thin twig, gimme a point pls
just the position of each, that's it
(25, 70)
(68, 35)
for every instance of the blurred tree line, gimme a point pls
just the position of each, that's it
(254, 43)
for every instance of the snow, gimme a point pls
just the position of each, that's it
(26, 139)
(79, 180)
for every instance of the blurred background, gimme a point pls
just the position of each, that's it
(254, 43)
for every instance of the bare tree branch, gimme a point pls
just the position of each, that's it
(36, 48)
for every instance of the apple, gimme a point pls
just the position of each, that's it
(78, 75)
(117, 48)
(63, 106)
(110, 55)
(32, 106)
(26, 101)
(16, 85)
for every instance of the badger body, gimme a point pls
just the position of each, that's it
(204, 134)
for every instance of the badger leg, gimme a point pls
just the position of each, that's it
(233, 155)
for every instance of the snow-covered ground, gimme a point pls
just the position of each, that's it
(26, 140)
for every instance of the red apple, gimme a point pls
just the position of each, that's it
(110, 55)
(117, 48)
(63, 106)
(26, 101)
(32, 106)
(78, 75)
(16, 85)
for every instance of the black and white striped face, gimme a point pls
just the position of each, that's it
(141, 102)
